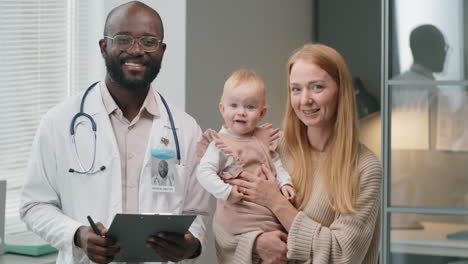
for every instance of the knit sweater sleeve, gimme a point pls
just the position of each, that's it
(348, 238)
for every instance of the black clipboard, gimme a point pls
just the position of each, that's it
(130, 231)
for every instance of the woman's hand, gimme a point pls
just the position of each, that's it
(235, 196)
(271, 247)
(262, 190)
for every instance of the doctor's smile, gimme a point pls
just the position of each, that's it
(134, 66)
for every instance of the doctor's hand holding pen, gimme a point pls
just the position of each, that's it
(97, 247)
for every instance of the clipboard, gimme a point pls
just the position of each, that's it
(130, 231)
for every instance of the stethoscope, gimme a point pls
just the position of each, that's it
(91, 170)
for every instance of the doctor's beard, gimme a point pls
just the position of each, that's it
(114, 69)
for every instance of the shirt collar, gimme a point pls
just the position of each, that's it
(150, 104)
(418, 68)
(107, 99)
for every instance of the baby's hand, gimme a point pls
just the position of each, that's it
(289, 192)
(235, 196)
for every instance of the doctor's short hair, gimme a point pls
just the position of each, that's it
(131, 3)
(243, 76)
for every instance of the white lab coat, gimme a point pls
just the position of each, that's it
(56, 202)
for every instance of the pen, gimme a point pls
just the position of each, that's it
(94, 226)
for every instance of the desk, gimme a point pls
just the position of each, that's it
(432, 240)
(20, 259)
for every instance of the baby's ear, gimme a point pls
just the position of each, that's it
(221, 108)
(263, 112)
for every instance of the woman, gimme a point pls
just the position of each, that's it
(336, 215)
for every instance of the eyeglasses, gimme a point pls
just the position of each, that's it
(125, 42)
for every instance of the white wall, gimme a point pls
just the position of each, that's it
(171, 81)
(223, 36)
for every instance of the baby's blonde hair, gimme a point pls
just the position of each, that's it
(244, 76)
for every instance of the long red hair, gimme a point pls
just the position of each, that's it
(340, 164)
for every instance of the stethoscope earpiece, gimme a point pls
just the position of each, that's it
(102, 168)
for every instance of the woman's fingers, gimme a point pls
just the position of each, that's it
(283, 236)
(267, 172)
(248, 198)
(242, 183)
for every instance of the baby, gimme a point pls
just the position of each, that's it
(240, 146)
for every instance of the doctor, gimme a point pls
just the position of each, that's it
(109, 174)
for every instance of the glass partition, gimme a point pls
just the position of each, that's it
(432, 239)
(429, 145)
(425, 132)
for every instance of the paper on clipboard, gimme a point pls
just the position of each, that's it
(130, 231)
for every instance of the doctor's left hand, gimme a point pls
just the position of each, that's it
(97, 248)
(175, 247)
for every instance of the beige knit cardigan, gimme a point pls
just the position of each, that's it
(319, 234)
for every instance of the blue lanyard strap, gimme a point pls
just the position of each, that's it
(171, 120)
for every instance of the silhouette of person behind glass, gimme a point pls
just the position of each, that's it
(429, 51)
(412, 104)
(414, 161)
(413, 116)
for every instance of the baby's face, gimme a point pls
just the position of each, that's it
(242, 107)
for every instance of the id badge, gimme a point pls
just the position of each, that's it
(163, 170)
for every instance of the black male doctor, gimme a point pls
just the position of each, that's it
(109, 171)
